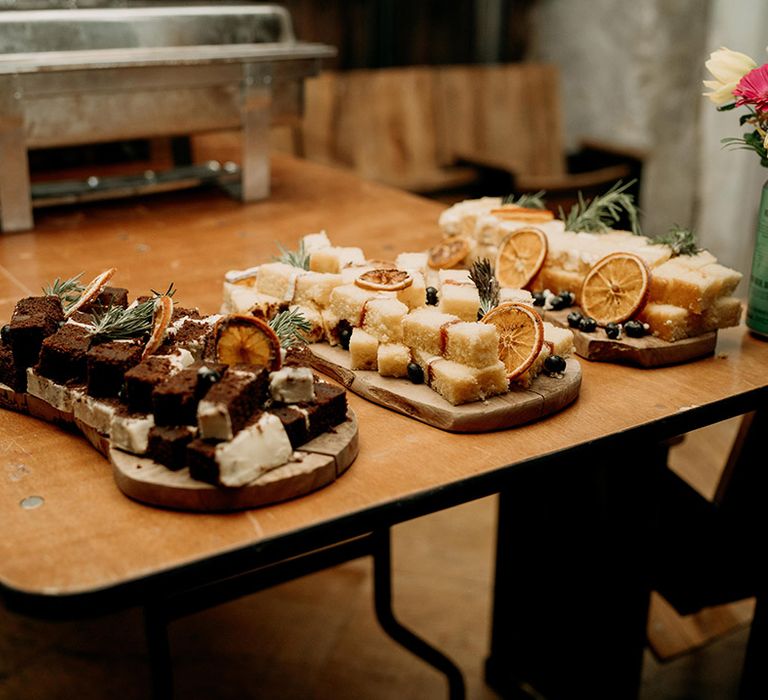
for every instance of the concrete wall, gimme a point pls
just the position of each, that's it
(631, 75)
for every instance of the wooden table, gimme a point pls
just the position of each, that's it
(89, 548)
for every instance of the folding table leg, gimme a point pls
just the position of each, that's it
(160, 665)
(572, 586)
(382, 592)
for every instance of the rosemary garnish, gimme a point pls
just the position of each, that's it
(681, 240)
(600, 213)
(531, 201)
(289, 327)
(295, 258)
(487, 284)
(68, 291)
(117, 323)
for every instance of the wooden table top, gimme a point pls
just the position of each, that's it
(88, 537)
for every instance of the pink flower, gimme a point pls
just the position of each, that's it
(753, 89)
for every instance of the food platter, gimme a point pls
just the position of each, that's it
(315, 465)
(546, 395)
(648, 351)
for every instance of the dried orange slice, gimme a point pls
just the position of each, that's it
(247, 340)
(615, 288)
(520, 256)
(92, 290)
(161, 319)
(384, 280)
(521, 335)
(448, 253)
(515, 213)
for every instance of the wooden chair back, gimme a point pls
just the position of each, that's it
(408, 126)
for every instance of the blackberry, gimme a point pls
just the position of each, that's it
(415, 373)
(345, 334)
(634, 329)
(574, 318)
(432, 296)
(554, 364)
(612, 330)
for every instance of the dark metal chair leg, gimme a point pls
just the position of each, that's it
(753, 677)
(161, 670)
(382, 594)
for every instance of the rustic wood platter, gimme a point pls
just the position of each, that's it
(647, 351)
(316, 464)
(546, 395)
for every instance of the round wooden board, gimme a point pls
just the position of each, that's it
(315, 465)
(545, 395)
(647, 351)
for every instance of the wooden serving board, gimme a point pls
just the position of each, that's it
(546, 395)
(316, 464)
(647, 351)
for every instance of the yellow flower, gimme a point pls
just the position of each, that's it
(728, 68)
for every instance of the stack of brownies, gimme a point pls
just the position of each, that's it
(178, 405)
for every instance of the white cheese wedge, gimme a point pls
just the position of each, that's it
(253, 451)
(292, 385)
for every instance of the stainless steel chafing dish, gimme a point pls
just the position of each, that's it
(82, 76)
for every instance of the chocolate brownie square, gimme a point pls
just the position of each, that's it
(174, 402)
(295, 422)
(230, 402)
(180, 312)
(141, 380)
(34, 319)
(201, 460)
(196, 336)
(328, 409)
(106, 365)
(63, 354)
(168, 445)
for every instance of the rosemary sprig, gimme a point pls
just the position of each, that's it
(295, 258)
(117, 323)
(681, 240)
(487, 284)
(68, 290)
(531, 201)
(598, 214)
(290, 326)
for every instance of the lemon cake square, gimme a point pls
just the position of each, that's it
(315, 241)
(278, 280)
(383, 319)
(314, 288)
(347, 301)
(425, 329)
(459, 384)
(694, 286)
(473, 344)
(667, 321)
(335, 259)
(363, 350)
(393, 360)
(462, 300)
(415, 294)
(725, 312)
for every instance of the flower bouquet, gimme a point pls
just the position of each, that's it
(740, 82)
